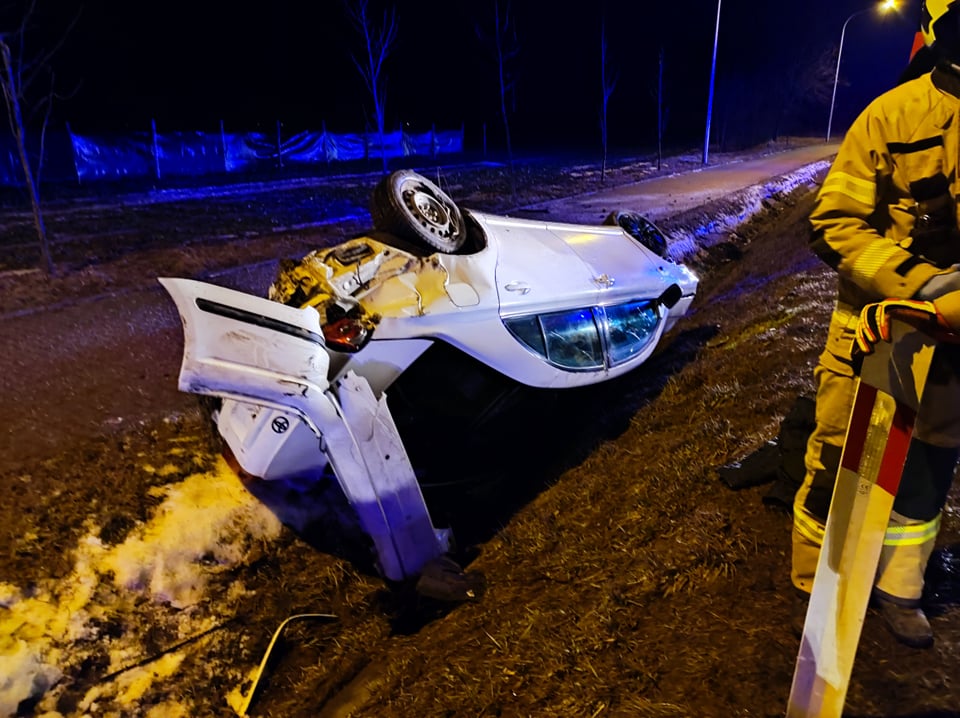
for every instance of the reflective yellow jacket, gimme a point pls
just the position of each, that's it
(886, 216)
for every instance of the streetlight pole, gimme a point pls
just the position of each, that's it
(713, 73)
(886, 5)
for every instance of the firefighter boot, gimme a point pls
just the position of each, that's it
(905, 619)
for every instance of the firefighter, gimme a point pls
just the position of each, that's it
(886, 220)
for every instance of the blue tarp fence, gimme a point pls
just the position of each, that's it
(91, 158)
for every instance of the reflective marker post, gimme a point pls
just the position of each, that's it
(875, 449)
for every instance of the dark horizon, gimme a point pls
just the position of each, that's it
(189, 67)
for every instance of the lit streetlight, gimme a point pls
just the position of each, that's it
(883, 7)
(713, 73)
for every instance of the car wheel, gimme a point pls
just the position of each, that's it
(413, 208)
(641, 229)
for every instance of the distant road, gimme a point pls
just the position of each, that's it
(664, 196)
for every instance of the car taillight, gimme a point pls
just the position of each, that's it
(346, 335)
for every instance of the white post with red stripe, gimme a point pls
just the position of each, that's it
(875, 449)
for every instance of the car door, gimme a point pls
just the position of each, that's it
(537, 271)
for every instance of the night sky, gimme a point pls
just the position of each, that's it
(188, 65)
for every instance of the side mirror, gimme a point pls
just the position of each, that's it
(670, 296)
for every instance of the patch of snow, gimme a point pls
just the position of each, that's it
(206, 523)
(686, 242)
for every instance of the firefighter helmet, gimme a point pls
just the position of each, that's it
(940, 25)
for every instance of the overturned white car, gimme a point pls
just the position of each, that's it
(438, 299)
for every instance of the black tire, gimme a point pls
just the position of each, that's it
(411, 207)
(641, 229)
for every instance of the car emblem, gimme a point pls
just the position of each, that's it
(280, 424)
(604, 280)
(521, 287)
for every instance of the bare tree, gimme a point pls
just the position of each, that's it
(819, 74)
(658, 96)
(378, 39)
(28, 83)
(796, 92)
(503, 44)
(800, 87)
(608, 80)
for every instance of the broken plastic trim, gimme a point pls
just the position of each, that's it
(241, 315)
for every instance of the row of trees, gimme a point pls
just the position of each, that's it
(788, 88)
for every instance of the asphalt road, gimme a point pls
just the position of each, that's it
(72, 374)
(665, 196)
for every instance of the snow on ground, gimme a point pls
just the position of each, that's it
(208, 520)
(741, 206)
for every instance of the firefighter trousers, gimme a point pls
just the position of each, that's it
(927, 475)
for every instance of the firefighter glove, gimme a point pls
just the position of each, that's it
(874, 324)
